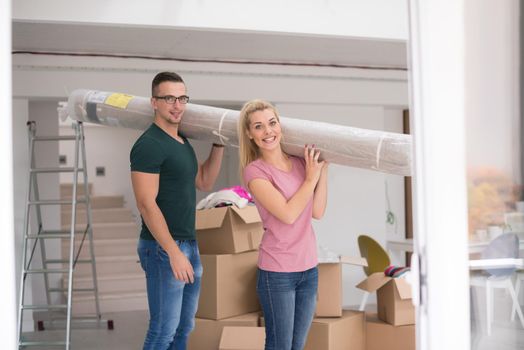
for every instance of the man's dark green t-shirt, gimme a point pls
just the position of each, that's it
(157, 152)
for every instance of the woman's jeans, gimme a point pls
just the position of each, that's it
(172, 303)
(288, 301)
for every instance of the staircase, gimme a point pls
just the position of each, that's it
(121, 280)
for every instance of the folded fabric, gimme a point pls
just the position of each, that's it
(241, 191)
(221, 198)
(395, 271)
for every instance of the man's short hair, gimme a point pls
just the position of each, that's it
(162, 77)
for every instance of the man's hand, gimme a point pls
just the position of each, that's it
(181, 267)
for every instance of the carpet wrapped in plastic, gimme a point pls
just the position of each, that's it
(362, 148)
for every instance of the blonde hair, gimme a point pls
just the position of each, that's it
(248, 150)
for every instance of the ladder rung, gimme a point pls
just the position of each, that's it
(44, 307)
(56, 170)
(74, 289)
(56, 201)
(47, 271)
(61, 232)
(49, 235)
(63, 261)
(78, 201)
(54, 234)
(42, 343)
(54, 138)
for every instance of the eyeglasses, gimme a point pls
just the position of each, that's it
(170, 99)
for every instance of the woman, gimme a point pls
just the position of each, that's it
(288, 192)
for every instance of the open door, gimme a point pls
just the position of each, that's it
(466, 122)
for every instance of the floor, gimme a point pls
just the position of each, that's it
(504, 337)
(130, 327)
(128, 333)
(506, 334)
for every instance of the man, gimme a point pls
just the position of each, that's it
(164, 173)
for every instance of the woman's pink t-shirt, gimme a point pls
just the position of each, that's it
(284, 247)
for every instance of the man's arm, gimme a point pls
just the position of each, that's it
(145, 186)
(209, 170)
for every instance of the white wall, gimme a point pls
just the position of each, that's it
(394, 185)
(355, 18)
(493, 129)
(7, 245)
(20, 185)
(45, 156)
(48, 76)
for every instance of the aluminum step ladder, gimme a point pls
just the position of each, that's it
(35, 237)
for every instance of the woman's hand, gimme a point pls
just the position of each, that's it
(314, 167)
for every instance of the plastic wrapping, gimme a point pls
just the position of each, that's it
(368, 149)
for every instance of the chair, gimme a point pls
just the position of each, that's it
(376, 257)
(504, 246)
(520, 277)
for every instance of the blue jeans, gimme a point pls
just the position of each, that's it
(172, 303)
(288, 300)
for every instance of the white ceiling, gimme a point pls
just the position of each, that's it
(197, 44)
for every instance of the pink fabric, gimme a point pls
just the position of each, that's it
(241, 191)
(284, 248)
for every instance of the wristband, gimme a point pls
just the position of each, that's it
(219, 145)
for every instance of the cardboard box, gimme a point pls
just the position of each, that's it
(228, 230)
(242, 338)
(228, 285)
(381, 335)
(394, 304)
(329, 295)
(336, 333)
(206, 335)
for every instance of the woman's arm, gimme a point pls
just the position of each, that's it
(270, 198)
(320, 196)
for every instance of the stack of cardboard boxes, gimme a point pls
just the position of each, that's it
(393, 326)
(228, 239)
(229, 315)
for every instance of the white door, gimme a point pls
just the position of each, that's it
(8, 313)
(466, 116)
